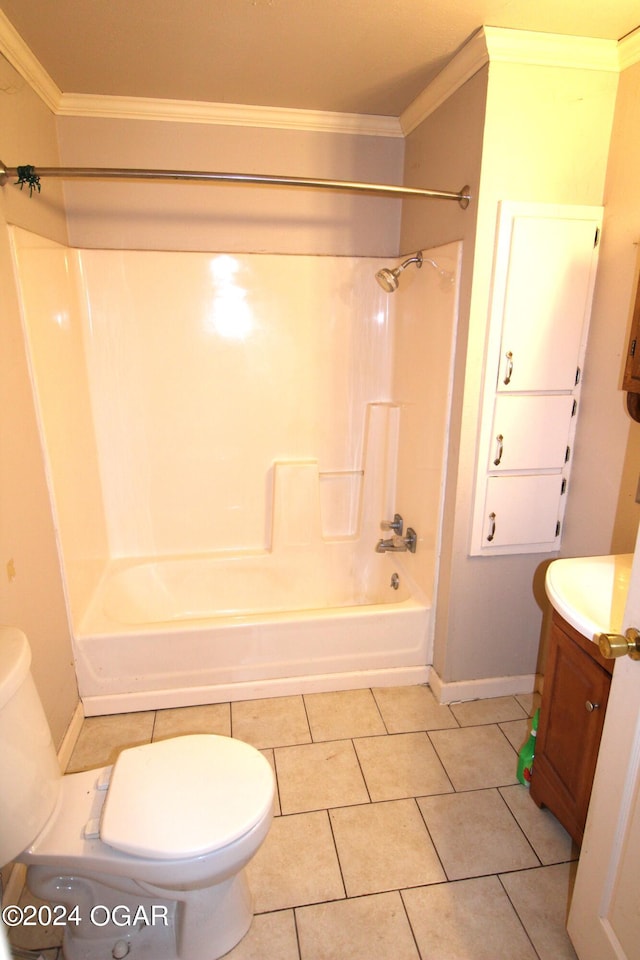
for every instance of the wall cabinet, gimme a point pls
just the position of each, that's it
(576, 690)
(544, 274)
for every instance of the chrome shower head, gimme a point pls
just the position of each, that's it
(389, 280)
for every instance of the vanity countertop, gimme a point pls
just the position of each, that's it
(590, 593)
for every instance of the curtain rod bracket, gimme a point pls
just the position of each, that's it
(31, 176)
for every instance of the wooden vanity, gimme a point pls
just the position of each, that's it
(576, 690)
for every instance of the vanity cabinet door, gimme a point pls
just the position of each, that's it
(574, 701)
(530, 432)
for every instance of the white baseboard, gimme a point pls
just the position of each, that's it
(460, 690)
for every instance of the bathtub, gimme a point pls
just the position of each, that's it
(187, 630)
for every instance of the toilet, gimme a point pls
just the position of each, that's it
(143, 859)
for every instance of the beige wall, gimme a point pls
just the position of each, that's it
(447, 148)
(31, 591)
(236, 218)
(546, 138)
(547, 133)
(602, 513)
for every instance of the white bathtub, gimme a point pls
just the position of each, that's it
(179, 631)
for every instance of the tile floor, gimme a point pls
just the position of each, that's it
(400, 829)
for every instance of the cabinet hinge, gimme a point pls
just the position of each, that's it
(558, 529)
(632, 348)
(596, 239)
(567, 454)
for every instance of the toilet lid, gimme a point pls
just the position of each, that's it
(185, 797)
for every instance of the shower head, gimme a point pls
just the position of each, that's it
(390, 279)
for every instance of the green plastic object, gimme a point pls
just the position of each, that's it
(527, 753)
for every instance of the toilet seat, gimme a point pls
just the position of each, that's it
(185, 797)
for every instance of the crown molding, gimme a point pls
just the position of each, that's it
(629, 50)
(551, 49)
(15, 50)
(471, 58)
(230, 114)
(497, 44)
(488, 44)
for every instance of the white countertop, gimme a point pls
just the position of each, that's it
(590, 593)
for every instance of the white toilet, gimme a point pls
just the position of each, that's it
(143, 859)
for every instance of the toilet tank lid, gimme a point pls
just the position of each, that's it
(15, 660)
(185, 797)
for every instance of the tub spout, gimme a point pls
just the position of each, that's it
(398, 544)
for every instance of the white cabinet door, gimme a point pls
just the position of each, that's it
(543, 279)
(530, 432)
(546, 301)
(523, 509)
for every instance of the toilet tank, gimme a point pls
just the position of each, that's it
(30, 777)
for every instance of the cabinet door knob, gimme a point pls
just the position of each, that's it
(592, 706)
(499, 450)
(492, 527)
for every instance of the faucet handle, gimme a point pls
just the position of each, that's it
(396, 524)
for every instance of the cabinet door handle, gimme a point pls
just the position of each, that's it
(499, 449)
(492, 527)
(509, 368)
(590, 707)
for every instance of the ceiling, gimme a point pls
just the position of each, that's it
(351, 56)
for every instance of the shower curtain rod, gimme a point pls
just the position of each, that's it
(31, 176)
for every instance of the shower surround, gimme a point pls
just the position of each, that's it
(224, 435)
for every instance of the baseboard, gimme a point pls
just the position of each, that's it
(71, 736)
(460, 690)
(12, 892)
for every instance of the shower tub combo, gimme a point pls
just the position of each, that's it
(160, 640)
(309, 614)
(161, 491)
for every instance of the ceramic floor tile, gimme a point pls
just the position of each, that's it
(102, 738)
(541, 899)
(402, 765)
(517, 732)
(38, 937)
(270, 935)
(178, 721)
(475, 834)
(276, 800)
(476, 757)
(408, 709)
(546, 835)
(366, 928)
(493, 710)
(467, 920)
(529, 702)
(297, 864)
(316, 776)
(384, 846)
(276, 722)
(344, 713)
